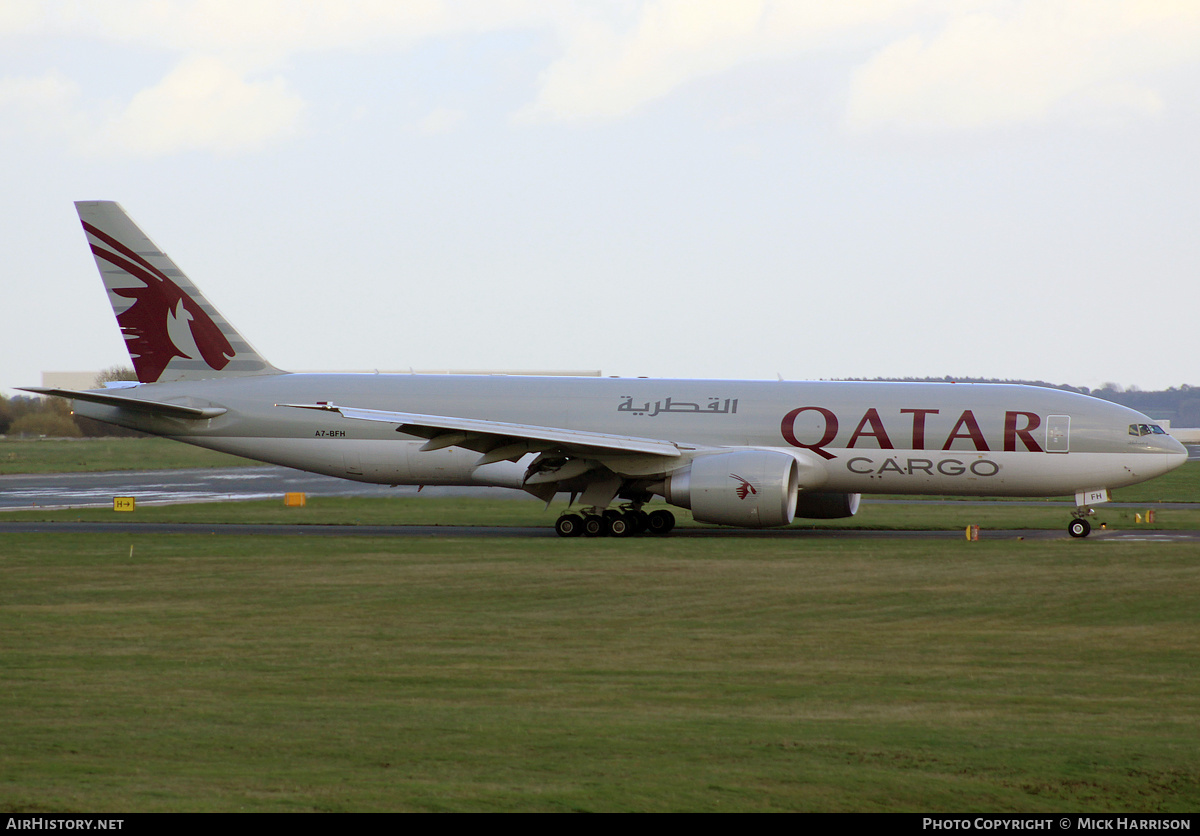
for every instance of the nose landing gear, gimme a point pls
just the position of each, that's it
(1084, 500)
(1079, 526)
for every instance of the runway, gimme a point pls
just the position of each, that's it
(239, 484)
(163, 487)
(166, 487)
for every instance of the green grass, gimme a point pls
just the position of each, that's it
(1002, 516)
(56, 455)
(1180, 485)
(292, 674)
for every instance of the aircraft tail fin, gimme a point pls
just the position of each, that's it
(171, 331)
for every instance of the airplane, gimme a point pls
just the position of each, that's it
(752, 454)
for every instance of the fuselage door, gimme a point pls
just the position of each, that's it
(1058, 433)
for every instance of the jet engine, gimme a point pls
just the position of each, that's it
(747, 488)
(821, 505)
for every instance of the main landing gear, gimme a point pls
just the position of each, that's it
(614, 523)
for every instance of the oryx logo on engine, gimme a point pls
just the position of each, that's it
(745, 488)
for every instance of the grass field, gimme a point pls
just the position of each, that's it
(57, 455)
(204, 672)
(292, 674)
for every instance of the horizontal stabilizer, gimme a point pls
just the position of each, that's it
(169, 410)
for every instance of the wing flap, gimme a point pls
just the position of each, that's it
(485, 436)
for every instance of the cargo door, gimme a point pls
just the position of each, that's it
(1058, 434)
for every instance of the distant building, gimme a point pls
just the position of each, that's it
(70, 380)
(87, 380)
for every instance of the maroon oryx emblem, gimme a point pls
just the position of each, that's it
(745, 488)
(163, 322)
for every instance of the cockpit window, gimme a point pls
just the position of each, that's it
(1146, 429)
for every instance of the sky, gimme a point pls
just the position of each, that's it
(670, 188)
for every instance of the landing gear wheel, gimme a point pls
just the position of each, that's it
(595, 525)
(660, 522)
(619, 526)
(1079, 528)
(569, 525)
(638, 521)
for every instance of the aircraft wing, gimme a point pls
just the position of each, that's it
(499, 440)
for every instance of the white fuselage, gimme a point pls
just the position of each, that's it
(953, 439)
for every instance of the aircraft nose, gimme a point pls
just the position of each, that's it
(1173, 453)
(1175, 450)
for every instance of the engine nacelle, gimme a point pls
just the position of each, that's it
(827, 506)
(747, 488)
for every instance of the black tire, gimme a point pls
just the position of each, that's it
(1079, 528)
(595, 525)
(569, 525)
(619, 526)
(660, 522)
(637, 521)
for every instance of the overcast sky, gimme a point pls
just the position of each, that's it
(683, 188)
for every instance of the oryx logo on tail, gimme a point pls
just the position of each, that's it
(745, 489)
(162, 322)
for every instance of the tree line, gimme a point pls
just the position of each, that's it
(34, 416)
